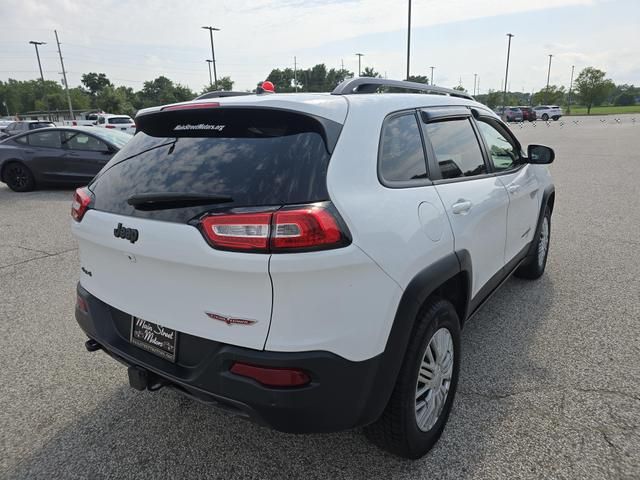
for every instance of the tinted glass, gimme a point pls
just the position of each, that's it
(116, 138)
(402, 156)
(50, 139)
(119, 120)
(457, 150)
(503, 154)
(22, 140)
(82, 141)
(35, 125)
(259, 158)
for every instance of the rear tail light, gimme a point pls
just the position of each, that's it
(75, 124)
(81, 201)
(109, 126)
(272, 376)
(247, 232)
(81, 304)
(294, 229)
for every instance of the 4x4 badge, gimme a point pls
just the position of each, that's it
(231, 320)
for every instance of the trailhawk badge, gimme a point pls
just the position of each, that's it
(231, 320)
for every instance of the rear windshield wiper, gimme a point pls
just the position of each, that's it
(165, 201)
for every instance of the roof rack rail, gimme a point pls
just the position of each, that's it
(371, 84)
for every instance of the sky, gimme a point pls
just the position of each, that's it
(138, 40)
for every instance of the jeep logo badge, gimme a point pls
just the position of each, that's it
(130, 234)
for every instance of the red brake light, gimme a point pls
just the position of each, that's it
(301, 228)
(191, 106)
(307, 227)
(240, 231)
(109, 126)
(272, 376)
(81, 200)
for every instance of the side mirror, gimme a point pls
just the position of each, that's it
(540, 155)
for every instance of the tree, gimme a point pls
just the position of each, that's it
(625, 99)
(460, 88)
(592, 87)
(491, 99)
(370, 72)
(95, 82)
(553, 95)
(419, 79)
(161, 91)
(224, 83)
(114, 100)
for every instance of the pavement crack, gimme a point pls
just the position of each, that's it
(45, 255)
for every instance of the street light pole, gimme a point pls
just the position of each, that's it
(475, 78)
(432, 74)
(549, 73)
(44, 97)
(570, 87)
(209, 62)
(506, 73)
(408, 40)
(360, 55)
(213, 55)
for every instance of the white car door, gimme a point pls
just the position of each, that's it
(474, 199)
(520, 182)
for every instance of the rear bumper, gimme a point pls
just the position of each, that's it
(342, 394)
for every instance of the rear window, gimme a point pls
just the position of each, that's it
(34, 125)
(119, 120)
(258, 157)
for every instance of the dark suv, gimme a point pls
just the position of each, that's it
(528, 113)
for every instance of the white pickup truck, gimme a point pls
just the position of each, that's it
(88, 119)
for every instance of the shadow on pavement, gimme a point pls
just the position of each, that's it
(163, 435)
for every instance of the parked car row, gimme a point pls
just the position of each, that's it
(523, 113)
(56, 155)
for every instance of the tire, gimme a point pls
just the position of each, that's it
(545, 117)
(536, 264)
(397, 429)
(18, 177)
(555, 118)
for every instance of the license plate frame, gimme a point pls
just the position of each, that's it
(154, 338)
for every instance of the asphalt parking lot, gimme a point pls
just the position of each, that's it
(550, 381)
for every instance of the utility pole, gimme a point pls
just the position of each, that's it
(213, 55)
(506, 73)
(546, 95)
(409, 40)
(295, 73)
(570, 87)
(342, 62)
(360, 55)
(64, 76)
(432, 74)
(475, 79)
(44, 97)
(209, 62)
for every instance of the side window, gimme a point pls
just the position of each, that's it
(504, 155)
(101, 120)
(456, 147)
(402, 154)
(45, 139)
(82, 141)
(21, 140)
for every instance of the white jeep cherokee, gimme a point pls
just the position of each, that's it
(308, 260)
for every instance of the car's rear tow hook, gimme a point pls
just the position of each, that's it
(91, 345)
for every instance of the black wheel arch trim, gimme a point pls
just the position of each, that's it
(547, 195)
(419, 289)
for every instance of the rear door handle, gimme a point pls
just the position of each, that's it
(461, 207)
(513, 189)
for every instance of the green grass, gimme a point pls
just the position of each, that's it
(609, 110)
